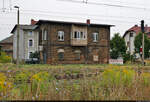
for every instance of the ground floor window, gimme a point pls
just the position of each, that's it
(77, 55)
(61, 56)
(95, 58)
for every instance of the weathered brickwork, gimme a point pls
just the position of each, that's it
(92, 53)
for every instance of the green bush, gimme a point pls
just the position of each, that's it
(21, 78)
(117, 76)
(4, 58)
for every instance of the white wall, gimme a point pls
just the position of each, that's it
(131, 40)
(24, 48)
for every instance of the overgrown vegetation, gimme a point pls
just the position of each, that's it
(74, 82)
(138, 44)
(4, 58)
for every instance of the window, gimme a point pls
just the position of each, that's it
(30, 33)
(77, 54)
(131, 34)
(30, 53)
(95, 37)
(60, 54)
(75, 34)
(79, 35)
(60, 35)
(30, 43)
(45, 35)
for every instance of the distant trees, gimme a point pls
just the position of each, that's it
(117, 46)
(138, 44)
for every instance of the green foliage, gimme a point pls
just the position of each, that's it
(40, 82)
(35, 55)
(138, 44)
(128, 57)
(146, 78)
(114, 77)
(4, 58)
(118, 47)
(21, 78)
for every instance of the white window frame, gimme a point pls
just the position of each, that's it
(45, 35)
(78, 36)
(95, 37)
(61, 34)
(32, 43)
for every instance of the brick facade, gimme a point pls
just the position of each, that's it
(98, 51)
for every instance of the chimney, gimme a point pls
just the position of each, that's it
(88, 21)
(33, 22)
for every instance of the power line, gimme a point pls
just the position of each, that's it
(77, 14)
(106, 4)
(125, 21)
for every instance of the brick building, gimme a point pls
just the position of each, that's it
(6, 45)
(73, 43)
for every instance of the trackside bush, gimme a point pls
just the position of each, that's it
(117, 76)
(146, 78)
(5, 58)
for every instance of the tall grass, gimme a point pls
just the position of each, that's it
(113, 83)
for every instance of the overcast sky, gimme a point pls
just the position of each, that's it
(122, 13)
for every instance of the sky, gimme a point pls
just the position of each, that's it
(122, 13)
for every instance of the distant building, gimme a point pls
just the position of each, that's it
(7, 45)
(28, 41)
(63, 42)
(130, 35)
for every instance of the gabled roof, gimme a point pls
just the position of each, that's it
(7, 40)
(137, 30)
(24, 27)
(64, 22)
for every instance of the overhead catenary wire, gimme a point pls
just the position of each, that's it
(46, 13)
(106, 4)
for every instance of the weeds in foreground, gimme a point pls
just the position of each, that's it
(114, 83)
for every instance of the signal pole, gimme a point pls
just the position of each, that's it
(142, 29)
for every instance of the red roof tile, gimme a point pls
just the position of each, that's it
(137, 30)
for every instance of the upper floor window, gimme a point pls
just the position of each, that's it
(79, 35)
(131, 34)
(30, 43)
(61, 35)
(30, 33)
(95, 37)
(45, 35)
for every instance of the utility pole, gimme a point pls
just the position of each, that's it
(18, 29)
(142, 29)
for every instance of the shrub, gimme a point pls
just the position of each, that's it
(145, 78)
(5, 86)
(39, 83)
(116, 76)
(4, 58)
(21, 77)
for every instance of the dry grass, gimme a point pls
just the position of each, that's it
(38, 82)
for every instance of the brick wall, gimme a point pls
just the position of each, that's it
(100, 48)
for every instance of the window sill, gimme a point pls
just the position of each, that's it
(61, 40)
(95, 41)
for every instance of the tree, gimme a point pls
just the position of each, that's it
(138, 44)
(117, 46)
